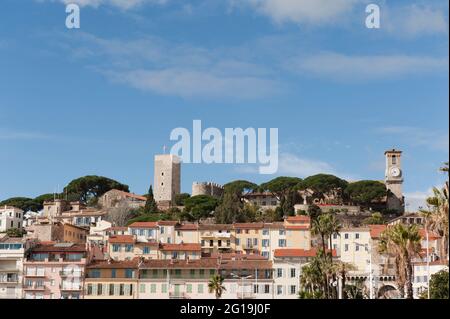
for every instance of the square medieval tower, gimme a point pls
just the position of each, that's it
(167, 178)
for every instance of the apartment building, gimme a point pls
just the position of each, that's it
(111, 280)
(247, 238)
(287, 268)
(353, 245)
(216, 238)
(121, 247)
(162, 231)
(54, 271)
(10, 217)
(12, 255)
(422, 274)
(58, 232)
(187, 233)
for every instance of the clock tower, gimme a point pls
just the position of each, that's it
(394, 180)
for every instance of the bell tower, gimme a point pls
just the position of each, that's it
(394, 180)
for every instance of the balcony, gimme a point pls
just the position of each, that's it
(35, 274)
(248, 246)
(12, 280)
(70, 287)
(31, 288)
(178, 295)
(246, 295)
(70, 273)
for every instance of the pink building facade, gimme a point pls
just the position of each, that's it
(54, 271)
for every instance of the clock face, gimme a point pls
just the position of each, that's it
(395, 172)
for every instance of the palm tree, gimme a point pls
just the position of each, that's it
(215, 286)
(403, 242)
(341, 269)
(438, 214)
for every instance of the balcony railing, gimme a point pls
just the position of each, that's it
(9, 280)
(34, 287)
(178, 295)
(35, 274)
(70, 273)
(246, 295)
(70, 287)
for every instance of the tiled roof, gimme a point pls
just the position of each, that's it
(114, 264)
(144, 225)
(167, 222)
(293, 252)
(298, 218)
(181, 247)
(204, 263)
(376, 230)
(54, 248)
(431, 235)
(297, 227)
(215, 226)
(117, 229)
(248, 225)
(245, 264)
(187, 227)
(121, 239)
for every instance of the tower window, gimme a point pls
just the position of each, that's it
(394, 160)
(162, 174)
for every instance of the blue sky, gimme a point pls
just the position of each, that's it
(104, 98)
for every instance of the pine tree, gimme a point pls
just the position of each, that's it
(150, 204)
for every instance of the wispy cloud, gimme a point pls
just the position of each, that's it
(415, 136)
(415, 20)
(312, 12)
(178, 69)
(122, 4)
(7, 135)
(353, 67)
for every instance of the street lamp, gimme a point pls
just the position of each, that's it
(242, 281)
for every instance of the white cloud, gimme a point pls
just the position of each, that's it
(415, 20)
(122, 4)
(352, 67)
(436, 140)
(301, 11)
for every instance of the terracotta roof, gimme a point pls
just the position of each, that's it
(293, 252)
(276, 225)
(144, 225)
(248, 225)
(298, 219)
(245, 264)
(181, 247)
(298, 227)
(121, 239)
(376, 230)
(431, 235)
(114, 264)
(203, 263)
(187, 227)
(117, 228)
(142, 198)
(56, 248)
(235, 256)
(215, 226)
(167, 222)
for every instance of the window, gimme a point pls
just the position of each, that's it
(346, 236)
(334, 236)
(189, 288)
(192, 272)
(95, 273)
(89, 289)
(116, 248)
(357, 236)
(142, 288)
(146, 250)
(282, 232)
(113, 273)
(255, 241)
(265, 232)
(282, 242)
(202, 272)
(356, 247)
(292, 289)
(238, 241)
(394, 160)
(293, 272)
(200, 288)
(161, 230)
(164, 288)
(346, 247)
(279, 272)
(141, 232)
(267, 289)
(128, 248)
(256, 289)
(111, 289)
(265, 254)
(279, 290)
(153, 288)
(99, 289)
(265, 243)
(121, 289)
(129, 273)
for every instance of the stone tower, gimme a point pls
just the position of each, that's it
(167, 179)
(394, 180)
